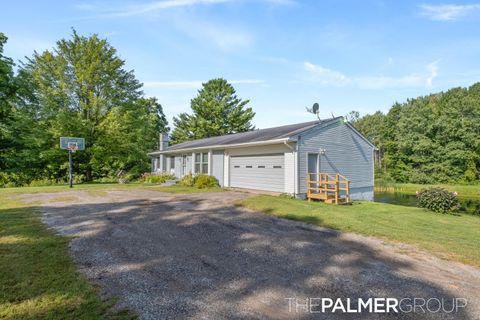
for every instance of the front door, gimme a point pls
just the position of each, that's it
(313, 163)
(313, 170)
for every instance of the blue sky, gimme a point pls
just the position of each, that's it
(283, 55)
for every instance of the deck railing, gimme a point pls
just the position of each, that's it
(331, 188)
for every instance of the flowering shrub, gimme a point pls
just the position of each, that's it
(438, 200)
(187, 180)
(205, 181)
(156, 178)
(199, 181)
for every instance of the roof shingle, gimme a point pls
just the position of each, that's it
(250, 136)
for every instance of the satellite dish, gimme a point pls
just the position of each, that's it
(314, 109)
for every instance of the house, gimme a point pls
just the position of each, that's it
(277, 159)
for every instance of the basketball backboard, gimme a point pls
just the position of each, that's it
(66, 143)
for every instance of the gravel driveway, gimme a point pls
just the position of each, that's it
(197, 256)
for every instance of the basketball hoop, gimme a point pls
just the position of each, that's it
(71, 144)
(72, 147)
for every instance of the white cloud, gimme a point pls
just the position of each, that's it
(331, 77)
(326, 76)
(433, 68)
(281, 2)
(140, 9)
(151, 7)
(447, 12)
(195, 84)
(226, 38)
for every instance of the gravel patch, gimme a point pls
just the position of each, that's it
(198, 256)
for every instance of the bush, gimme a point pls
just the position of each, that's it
(438, 200)
(44, 182)
(8, 180)
(187, 180)
(106, 180)
(157, 178)
(205, 181)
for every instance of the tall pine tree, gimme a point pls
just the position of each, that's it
(216, 111)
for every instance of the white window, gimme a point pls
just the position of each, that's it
(201, 162)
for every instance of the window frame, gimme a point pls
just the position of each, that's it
(199, 162)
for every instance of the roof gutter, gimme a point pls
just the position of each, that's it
(222, 146)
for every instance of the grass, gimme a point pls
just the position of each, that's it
(450, 237)
(38, 278)
(99, 190)
(183, 189)
(464, 191)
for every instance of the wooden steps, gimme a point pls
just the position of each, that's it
(328, 188)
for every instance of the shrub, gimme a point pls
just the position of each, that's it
(187, 180)
(11, 179)
(157, 178)
(205, 181)
(106, 180)
(44, 182)
(438, 200)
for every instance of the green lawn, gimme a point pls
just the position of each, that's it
(182, 189)
(447, 236)
(37, 277)
(464, 191)
(100, 189)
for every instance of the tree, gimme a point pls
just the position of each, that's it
(353, 116)
(10, 117)
(81, 88)
(431, 139)
(216, 111)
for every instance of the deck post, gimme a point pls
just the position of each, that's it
(337, 186)
(348, 191)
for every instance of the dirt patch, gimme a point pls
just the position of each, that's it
(196, 256)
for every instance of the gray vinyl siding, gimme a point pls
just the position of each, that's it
(345, 152)
(217, 166)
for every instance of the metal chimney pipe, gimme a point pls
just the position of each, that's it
(163, 141)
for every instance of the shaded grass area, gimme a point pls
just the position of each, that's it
(183, 189)
(100, 190)
(447, 236)
(93, 187)
(464, 191)
(38, 279)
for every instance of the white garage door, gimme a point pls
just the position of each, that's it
(265, 172)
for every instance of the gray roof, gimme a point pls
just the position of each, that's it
(250, 136)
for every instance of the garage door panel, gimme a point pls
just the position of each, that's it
(264, 172)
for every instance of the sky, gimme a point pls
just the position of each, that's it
(282, 55)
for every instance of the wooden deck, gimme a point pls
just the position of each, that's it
(328, 188)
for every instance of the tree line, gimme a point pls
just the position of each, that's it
(81, 88)
(430, 139)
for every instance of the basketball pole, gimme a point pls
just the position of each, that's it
(70, 167)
